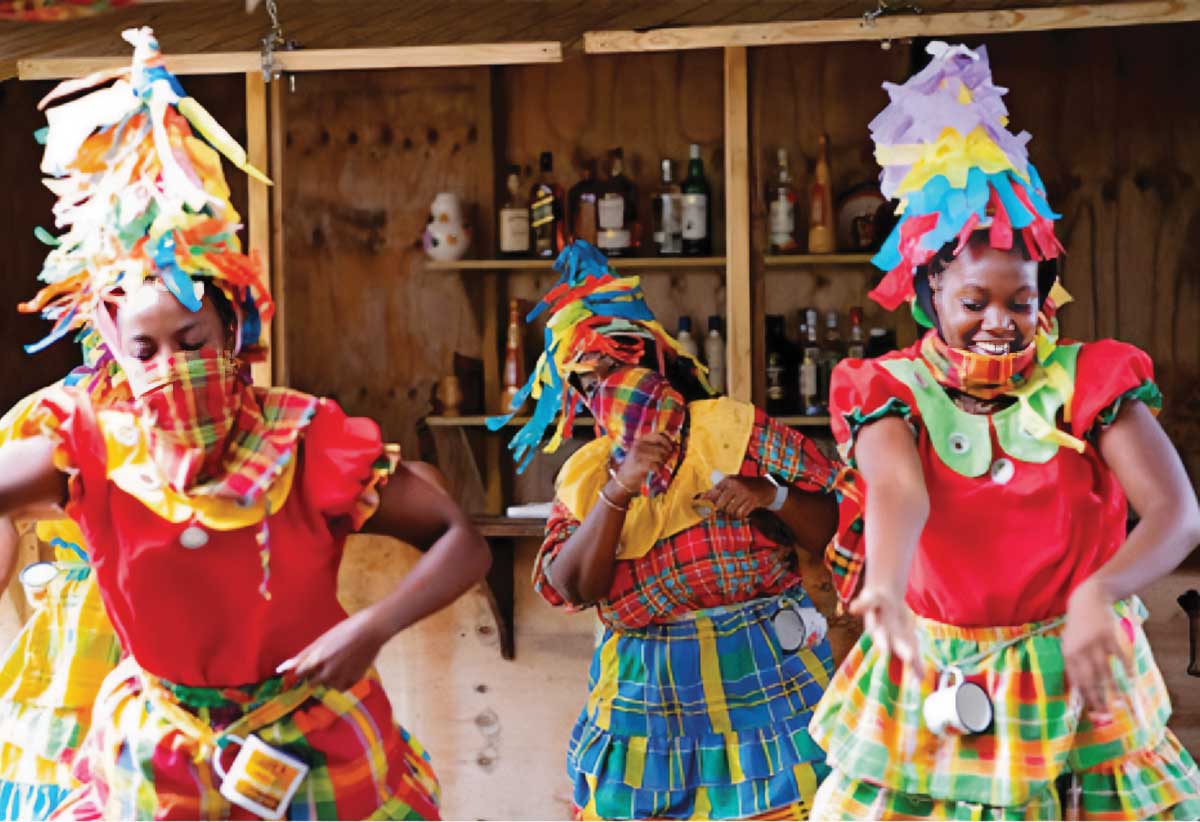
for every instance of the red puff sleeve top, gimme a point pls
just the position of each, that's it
(197, 615)
(1007, 547)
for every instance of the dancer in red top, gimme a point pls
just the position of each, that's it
(1004, 673)
(216, 512)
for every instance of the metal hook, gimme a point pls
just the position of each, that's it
(885, 8)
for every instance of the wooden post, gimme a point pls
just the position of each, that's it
(258, 210)
(278, 284)
(739, 327)
(493, 483)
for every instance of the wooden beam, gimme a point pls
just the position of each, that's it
(738, 323)
(258, 209)
(948, 24)
(239, 62)
(279, 361)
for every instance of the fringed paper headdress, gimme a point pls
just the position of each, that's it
(950, 159)
(592, 309)
(141, 194)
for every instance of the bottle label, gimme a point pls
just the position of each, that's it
(541, 210)
(668, 234)
(775, 378)
(695, 216)
(783, 217)
(856, 350)
(808, 381)
(514, 230)
(611, 210)
(612, 239)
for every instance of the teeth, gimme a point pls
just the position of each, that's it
(994, 349)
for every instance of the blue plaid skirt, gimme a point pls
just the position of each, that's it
(704, 717)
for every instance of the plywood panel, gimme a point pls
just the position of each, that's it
(365, 154)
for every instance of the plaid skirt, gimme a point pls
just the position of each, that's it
(141, 762)
(704, 717)
(887, 764)
(48, 682)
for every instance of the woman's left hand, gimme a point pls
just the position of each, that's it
(1091, 638)
(341, 656)
(740, 496)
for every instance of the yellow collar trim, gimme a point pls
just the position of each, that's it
(131, 468)
(718, 435)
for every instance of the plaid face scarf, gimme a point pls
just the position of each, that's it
(985, 376)
(188, 408)
(635, 402)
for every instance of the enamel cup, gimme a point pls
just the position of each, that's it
(35, 579)
(957, 706)
(261, 779)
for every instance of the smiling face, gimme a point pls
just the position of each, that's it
(986, 300)
(153, 325)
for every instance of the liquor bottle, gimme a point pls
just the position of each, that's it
(714, 354)
(514, 358)
(781, 199)
(581, 205)
(697, 210)
(546, 211)
(857, 347)
(617, 209)
(880, 342)
(668, 214)
(685, 339)
(779, 362)
(514, 219)
(810, 369)
(820, 215)
(832, 352)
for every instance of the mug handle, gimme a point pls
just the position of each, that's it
(950, 677)
(217, 766)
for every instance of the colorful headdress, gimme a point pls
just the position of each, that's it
(141, 194)
(592, 310)
(949, 158)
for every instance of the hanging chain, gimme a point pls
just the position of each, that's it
(272, 42)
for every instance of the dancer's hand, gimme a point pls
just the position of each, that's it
(341, 656)
(646, 455)
(740, 496)
(1091, 638)
(889, 622)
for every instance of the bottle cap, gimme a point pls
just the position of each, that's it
(546, 161)
(715, 323)
(694, 151)
(781, 155)
(831, 319)
(685, 324)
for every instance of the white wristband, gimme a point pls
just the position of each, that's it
(781, 494)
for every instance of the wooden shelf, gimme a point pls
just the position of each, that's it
(802, 260)
(509, 527)
(481, 421)
(803, 422)
(620, 263)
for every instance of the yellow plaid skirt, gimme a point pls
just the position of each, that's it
(888, 765)
(48, 682)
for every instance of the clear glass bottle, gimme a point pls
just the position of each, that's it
(668, 214)
(697, 208)
(685, 339)
(513, 219)
(810, 368)
(832, 352)
(857, 346)
(779, 366)
(781, 208)
(546, 210)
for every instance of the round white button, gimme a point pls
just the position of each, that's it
(1002, 471)
(193, 537)
(959, 443)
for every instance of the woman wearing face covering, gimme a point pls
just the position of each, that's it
(216, 512)
(679, 524)
(1004, 672)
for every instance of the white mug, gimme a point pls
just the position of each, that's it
(261, 779)
(35, 579)
(957, 706)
